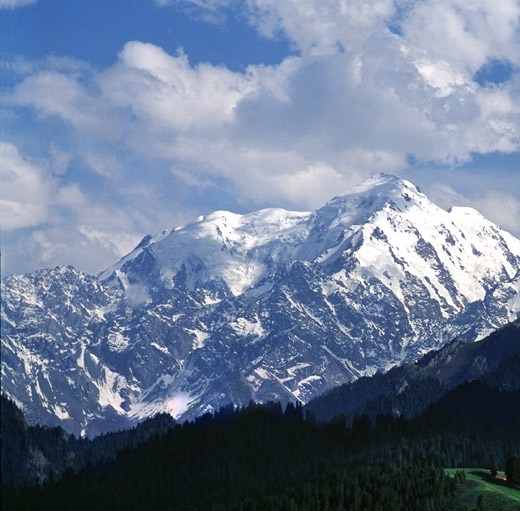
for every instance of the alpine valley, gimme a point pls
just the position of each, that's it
(272, 305)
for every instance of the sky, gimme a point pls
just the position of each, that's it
(124, 118)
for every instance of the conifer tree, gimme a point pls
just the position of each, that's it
(493, 465)
(513, 470)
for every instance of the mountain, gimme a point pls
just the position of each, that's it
(272, 305)
(409, 389)
(32, 453)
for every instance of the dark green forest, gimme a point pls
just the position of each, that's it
(264, 457)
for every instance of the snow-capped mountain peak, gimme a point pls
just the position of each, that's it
(239, 249)
(269, 305)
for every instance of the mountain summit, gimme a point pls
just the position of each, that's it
(269, 305)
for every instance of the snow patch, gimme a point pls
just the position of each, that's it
(177, 404)
(200, 338)
(117, 342)
(292, 370)
(109, 388)
(162, 349)
(309, 379)
(244, 327)
(262, 373)
(60, 411)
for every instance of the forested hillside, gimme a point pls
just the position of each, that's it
(30, 454)
(409, 389)
(264, 457)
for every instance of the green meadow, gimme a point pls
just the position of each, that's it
(497, 495)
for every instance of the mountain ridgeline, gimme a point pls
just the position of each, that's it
(270, 306)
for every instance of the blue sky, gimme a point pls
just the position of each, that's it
(123, 118)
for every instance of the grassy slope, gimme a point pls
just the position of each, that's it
(497, 495)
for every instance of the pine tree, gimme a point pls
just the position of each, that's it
(493, 465)
(513, 470)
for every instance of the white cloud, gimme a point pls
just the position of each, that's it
(71, 196)
(61, 160)
(321, 27)
(13, 4)
(464, 34)
(168, 94)
(441, 76)
(25, 189)
(354, 98)
(87, 249)
(102, 163)
(501, 208)
(210, 11)
(311, 187)
(63, 94)
(191, 179)
(356, 88)
(62, 223)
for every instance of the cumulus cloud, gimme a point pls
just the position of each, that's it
(61, 222)
(61, 94)
(463, 34)
(501, 208)
(26, 189)
(355, 87)
(322, 27)
(169, 94)
(368, 87)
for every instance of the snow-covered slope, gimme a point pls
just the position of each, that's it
(269, 305)
(238, 249)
